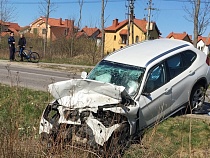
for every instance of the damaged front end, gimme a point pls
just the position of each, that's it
(89, 112)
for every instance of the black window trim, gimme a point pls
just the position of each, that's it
(165, 53)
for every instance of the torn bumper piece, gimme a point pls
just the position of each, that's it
(95, 107)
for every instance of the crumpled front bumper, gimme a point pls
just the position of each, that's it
(99, 108)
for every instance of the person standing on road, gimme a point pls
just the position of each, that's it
(22, 45)
(11, 42)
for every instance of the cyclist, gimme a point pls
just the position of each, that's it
(22, 45)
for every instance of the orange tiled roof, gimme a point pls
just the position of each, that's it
(80, 34)
(124, 32)
(4, 23)
(89, 31)
(13, 30)
(99, 35)
(204, 39)
(55, 22)
(180, 36)
(4, 34)
(141, 23)
(14, 25)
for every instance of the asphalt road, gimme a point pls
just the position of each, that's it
(31, 75)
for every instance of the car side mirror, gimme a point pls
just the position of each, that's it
(83, 75)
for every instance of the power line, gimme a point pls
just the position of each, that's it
(64, 2)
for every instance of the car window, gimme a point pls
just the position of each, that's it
(156, 78)
(180, 62)
(119, 74)
(189, 57)
(175, 65)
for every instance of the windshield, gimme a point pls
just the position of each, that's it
(119, 74)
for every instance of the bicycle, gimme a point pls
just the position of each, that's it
(30, 56)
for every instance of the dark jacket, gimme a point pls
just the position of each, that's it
(11, 39)
(22, 42)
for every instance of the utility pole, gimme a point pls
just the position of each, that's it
(102, 29)
(130, 21)
(149, 15)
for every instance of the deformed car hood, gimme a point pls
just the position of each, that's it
(84, 93)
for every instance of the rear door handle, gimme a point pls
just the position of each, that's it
(191, 72)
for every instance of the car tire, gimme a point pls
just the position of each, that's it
(118, 142)
(197, 98)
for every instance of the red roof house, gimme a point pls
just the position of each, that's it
(181, 36)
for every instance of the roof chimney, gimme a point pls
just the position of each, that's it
(60, 21)
(115, 22)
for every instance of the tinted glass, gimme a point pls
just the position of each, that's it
(155, 79)
(188, 58)
(175, 65)
(180, 62)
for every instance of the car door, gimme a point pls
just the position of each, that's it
(182, 76)
(155, 100)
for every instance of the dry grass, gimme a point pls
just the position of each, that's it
(20, 111)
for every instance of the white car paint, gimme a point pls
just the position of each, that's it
(136, 64)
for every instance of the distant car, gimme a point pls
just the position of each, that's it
(128, 91)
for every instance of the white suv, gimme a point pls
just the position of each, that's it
(128, 91)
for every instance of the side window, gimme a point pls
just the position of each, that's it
(189, 57)
(156, 78)
(175, 65)
(180, 62)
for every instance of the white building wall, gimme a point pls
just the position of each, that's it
(200, 46)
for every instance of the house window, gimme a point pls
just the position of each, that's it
(43, 31)
(66, 32)
(35, 31)
(124, 39)
(114, 37)
(137, 39)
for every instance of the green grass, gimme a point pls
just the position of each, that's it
(175, 137)
(21, 109)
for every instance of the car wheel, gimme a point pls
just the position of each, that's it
(118, 142)
(197, 97)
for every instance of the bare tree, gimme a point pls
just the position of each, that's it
(80, 2)
(199, 14)
(6, 13)
(46, 7)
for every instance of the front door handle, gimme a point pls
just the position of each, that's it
(167, 90)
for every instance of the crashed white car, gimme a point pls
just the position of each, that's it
(128, 91)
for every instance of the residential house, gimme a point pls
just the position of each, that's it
(57, 28)
(91, 33)
(181, 36)
(204, 44)
(116, 35)
(7, 27)
(24, 30)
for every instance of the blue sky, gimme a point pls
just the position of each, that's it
(168, 14)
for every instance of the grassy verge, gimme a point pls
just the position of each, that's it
(180, 136)
(20, 111)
